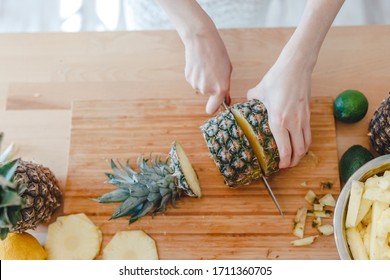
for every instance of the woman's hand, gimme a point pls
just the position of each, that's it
(208, 67)
(285, 91)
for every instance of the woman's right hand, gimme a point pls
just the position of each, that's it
(208, 67)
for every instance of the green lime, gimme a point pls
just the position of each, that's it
(350, 106)
(355, 157)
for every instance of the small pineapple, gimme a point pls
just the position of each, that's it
(241, 143)
(29, 193)
(73, 237)
(155, 184)
(131, 245)
(379, 128)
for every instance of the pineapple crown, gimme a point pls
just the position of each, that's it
(139, 192)
(11, 201)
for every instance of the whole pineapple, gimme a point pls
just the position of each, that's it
(241, 143)
(29, 193)
(151, 187)
(379, 128)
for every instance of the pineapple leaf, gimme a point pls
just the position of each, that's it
(118, 195)
(8, 170)
(163, 204)
(130, 172)
(14, 214)
(127, 206)
(10, 198)
(4, 219)
(6, 154)
(117, 171)
(147, 207)
(3, 233)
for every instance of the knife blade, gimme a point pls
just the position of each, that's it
(267, 186)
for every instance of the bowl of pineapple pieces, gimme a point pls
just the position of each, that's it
(362, 213)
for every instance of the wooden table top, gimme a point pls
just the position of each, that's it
(42, 73)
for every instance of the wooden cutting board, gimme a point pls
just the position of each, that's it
(241, 223)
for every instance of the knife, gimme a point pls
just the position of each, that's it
(267, 186)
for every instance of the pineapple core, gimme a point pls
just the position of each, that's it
(188, 171)
(252, 138)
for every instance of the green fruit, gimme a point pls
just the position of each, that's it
(350, 106)
(355, 157)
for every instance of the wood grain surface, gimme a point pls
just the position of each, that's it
(241, 223)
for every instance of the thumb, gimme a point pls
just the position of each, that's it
(214, 102)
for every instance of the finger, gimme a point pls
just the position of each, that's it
(306, 130)
(282, 139)
(298, 145)
(214, 103)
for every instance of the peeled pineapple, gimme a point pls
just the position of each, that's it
(73, 237)
(131, 245)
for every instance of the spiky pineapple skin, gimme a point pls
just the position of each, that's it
(42, 195)
(256, 114)
(230, 150)
(379, 128)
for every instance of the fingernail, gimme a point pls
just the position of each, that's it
(228, 100)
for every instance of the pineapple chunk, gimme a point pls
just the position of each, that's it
(304, 241)
(377, 209)
(325, 229)
(377, 194)
(367, 218)
(73, 237)
(131, 245)
(311, 197)
(372, 182)
(319, 213)
(356, 245)
(354, 203)
(365, 206)
(366, 239)
(316, 222)
(383, 230)
(318, 207)
(299, 222)
(327, 200)
(384, 183)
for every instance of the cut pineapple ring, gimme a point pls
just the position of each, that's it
(73, 237)
(188, 170)
(131, 245)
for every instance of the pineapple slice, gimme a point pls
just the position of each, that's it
(184, 170)
(131, 245)
(73, 237)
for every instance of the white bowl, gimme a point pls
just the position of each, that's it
(371, 168)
